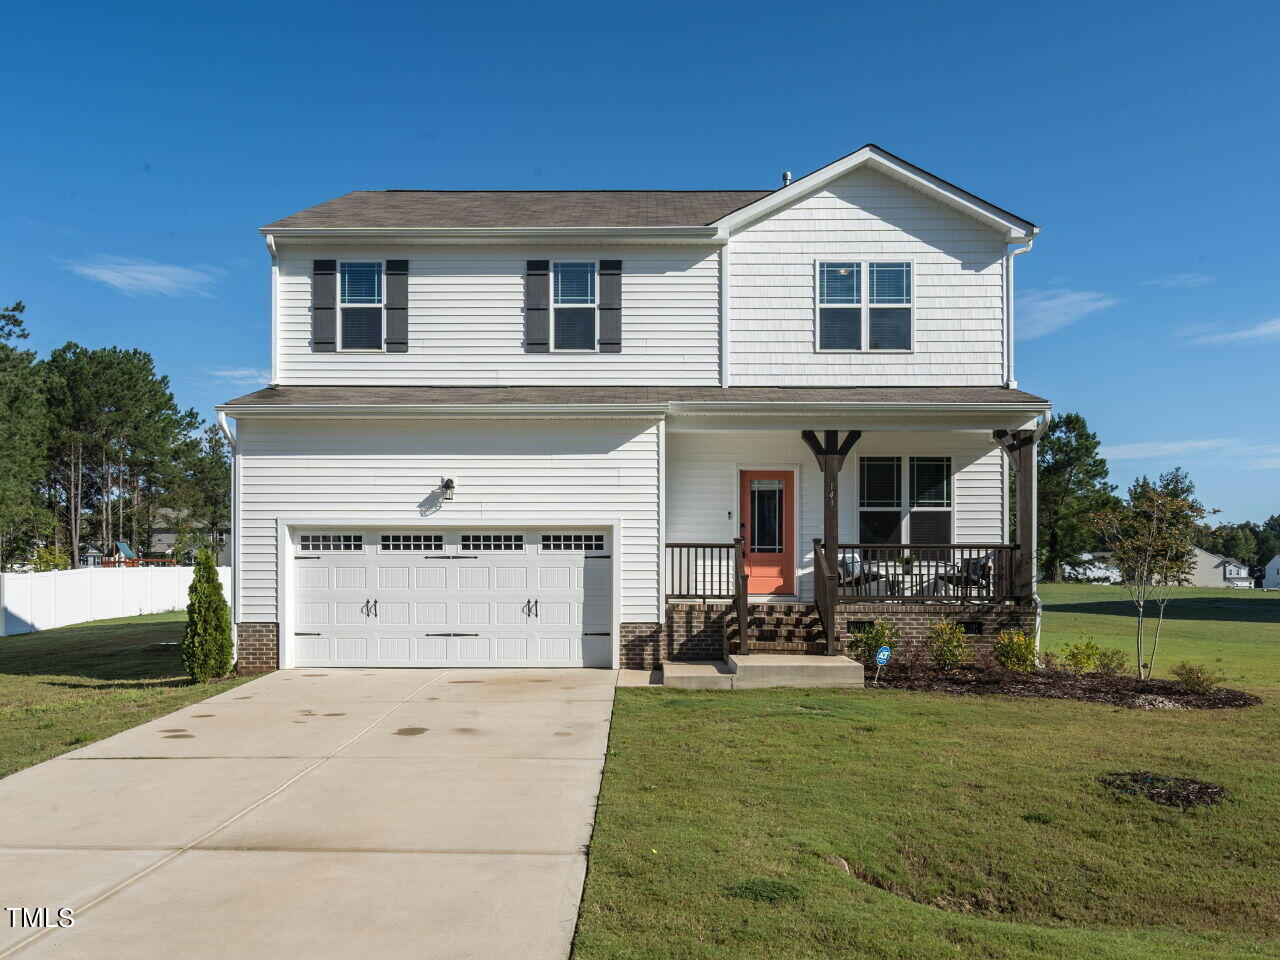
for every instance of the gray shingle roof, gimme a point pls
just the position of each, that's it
(426, 209)
(426, 395)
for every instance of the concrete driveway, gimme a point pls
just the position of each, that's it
(318, 813)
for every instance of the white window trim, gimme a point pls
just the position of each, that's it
(864, 305)
(381, 305)
(594, 307)
(904, 508)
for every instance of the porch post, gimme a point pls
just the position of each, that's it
(830, 452)
(1020, 445)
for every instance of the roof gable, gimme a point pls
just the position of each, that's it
(882, 161)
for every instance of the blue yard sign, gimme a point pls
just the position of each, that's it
(882, 656)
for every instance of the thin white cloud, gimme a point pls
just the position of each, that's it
(1243, 454)
(1042, 312)
(1263, 332)
(1179, 281)
(244, 375)
(145, 278)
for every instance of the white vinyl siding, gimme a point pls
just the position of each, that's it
(702, 483)
(957, 267)
(378, 473)
(466, 320)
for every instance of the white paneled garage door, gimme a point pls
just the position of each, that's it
(452, 598)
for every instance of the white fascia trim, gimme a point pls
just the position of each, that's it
(541, 411)
(767, 408)
(869, 155)
(331, 235)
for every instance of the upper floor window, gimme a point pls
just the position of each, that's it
(360, 306)
(864, 305)
(573, 298)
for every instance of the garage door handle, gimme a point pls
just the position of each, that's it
(306, 634)
(607, 633)
(598, 556)
(451, 634)
(449, 556)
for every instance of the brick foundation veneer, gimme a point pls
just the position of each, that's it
(257, 647)
(915, 619)
(696, 631)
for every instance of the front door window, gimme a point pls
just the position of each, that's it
(766, 516)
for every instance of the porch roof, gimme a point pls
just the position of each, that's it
(659, 399)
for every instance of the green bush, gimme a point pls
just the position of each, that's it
(1082, 656)
(1196, 677)
(1111, 662)
(948, 645)
(1016, 651)
(206, 646)
(865, 642)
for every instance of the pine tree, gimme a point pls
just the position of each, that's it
(1073, 485)
(206, 648)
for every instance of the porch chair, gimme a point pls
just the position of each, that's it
(973, 576)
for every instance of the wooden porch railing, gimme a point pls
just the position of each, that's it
(700, 571)
(708, 571)
(967, 572)
(825, 595)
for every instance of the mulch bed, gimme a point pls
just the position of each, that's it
(1124, 691)
(1181, 792)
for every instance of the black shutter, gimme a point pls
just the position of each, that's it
(397, 306)
(324, 306)
(537, 306)
(610, 306)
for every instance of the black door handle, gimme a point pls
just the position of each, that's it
(365, 608)
(535, 609)
(375, 608)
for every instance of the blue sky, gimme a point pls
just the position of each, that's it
(146, 142)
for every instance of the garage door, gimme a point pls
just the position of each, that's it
(452, 598)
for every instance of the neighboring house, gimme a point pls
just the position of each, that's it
(167, 530)
(1094, 568)
(1271, 574)
(1211, 570)
(605, 427)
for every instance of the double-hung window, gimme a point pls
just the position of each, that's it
(573, 306)
(864, 305)
(360, 305)
(914, 507)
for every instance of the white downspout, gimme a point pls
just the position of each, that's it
(724, 314)
(1009, 380)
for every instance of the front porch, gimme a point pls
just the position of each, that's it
(935, 502)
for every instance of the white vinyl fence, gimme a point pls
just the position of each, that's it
(38, 601)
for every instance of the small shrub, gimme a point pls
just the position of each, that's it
(1197, 677)
(1051, 662)
(1016, 651)
(865, 642)
(948, 645)
(1111, 662)
(206, 646)
(1082, 656)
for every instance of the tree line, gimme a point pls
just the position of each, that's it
(97, 451)
(1074, 490)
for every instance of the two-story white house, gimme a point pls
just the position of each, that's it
(606, 427)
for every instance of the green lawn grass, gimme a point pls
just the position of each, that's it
(972, 826)
(61, 689)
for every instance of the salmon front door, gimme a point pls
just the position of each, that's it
(768, 521)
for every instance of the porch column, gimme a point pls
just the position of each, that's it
(830, 453)
(1020, 445)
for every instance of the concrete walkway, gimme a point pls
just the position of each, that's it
(319, 814)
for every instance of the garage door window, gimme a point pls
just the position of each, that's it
(493, 541)
(579, 542)
(412, 541)
(332, 541)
